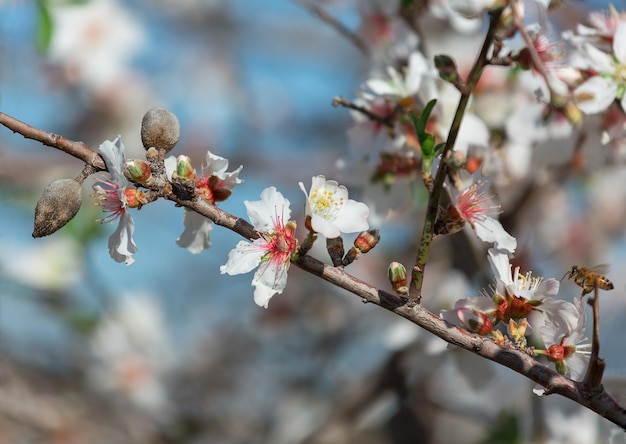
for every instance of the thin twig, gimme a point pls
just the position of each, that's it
(386, 120)
(335, 24)
(537, 63)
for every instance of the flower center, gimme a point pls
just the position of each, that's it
(325, 203)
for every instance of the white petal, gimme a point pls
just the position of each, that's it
(230, 180)
(170, 166)
(499, 261)
(539, 390)
(270, 278)
(353, 217)
(548, 288)
(601, 92)
(195, 237)
(598, 60)
(577, 366)
(327, 228)
(262, 213)
(215, 165)
(121, 244)
(381, 87)
(113, 154)
(619, 43)
(490, 230)
(243, 258)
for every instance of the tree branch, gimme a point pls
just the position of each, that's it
(597, 400)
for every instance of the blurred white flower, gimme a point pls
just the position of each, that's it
(94, 41)
(53, 264)
(131, 355)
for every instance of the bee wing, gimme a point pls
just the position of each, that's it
(601, 269)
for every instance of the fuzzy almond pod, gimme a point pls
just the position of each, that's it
(160, 129)
(58, 204)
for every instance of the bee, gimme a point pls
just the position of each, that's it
(589, 278)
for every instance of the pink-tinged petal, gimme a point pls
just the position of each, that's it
(595, 95)
(490, 230)
(121, 244)
(244, 258)
(619, 43)
(196, 236)
(263, 213)
(270, 279)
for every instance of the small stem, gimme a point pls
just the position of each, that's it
(537, 63)
(417, 274)
(595, 370)
(386, 121)
(335, 24)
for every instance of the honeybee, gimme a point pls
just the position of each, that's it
(588, 278)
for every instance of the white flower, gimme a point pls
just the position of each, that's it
(114, 198)
(331, 212)
(131, 354)
(598, 92)
(511, 282)
(215, 185)
(93, 41)
(400, 87)
(271, 252)
(563, 330)
(473, 206)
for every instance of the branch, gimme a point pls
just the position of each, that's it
(417, 274)
(335, 24)
(76, 149)
(597, 400)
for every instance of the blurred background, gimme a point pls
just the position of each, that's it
(167, 350)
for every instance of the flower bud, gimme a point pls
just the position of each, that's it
(58, 204)
(366, 240)
(447, 69)
(184, 168)
(573, 114)
(335, 250)
(160, 129)
(135, 198)
(398, 277)
(138, 171)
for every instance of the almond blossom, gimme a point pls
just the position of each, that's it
(215, 185)
(562, 334)
(597, 93)
(115, 198)
(271, 252)
(330, 210)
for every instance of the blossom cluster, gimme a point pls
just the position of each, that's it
(328, 210)
(550, 92)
